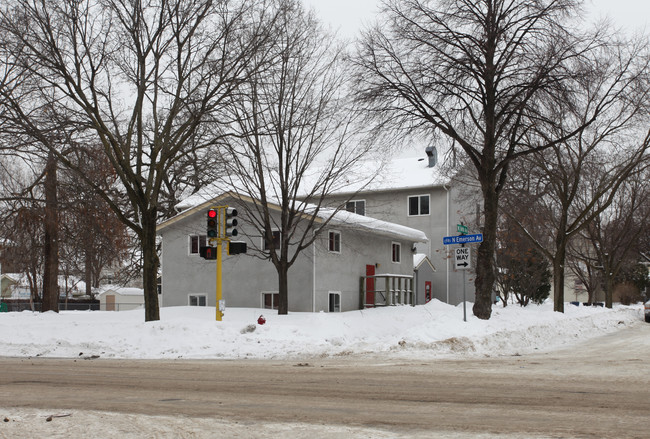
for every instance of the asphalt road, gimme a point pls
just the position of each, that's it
(598, 389)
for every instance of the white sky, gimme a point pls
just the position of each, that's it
(349, 16)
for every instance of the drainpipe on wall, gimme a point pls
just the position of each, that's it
(444, 186)
(313, 276)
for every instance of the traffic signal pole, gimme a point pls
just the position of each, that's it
(219, 290)
(221, 226)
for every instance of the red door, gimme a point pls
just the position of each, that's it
(427, 291)
(370, 286)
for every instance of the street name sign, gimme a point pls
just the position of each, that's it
(462, 258)
(462, 239)
(460, 228)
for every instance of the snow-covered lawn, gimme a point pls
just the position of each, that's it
(432, 330)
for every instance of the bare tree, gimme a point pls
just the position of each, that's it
(22, 220)
(92, 237)
(576, 180)
(480, 74)
(140, 78)
(294, 139)
(612, 241)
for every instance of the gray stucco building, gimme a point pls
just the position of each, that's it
(326, 277)
(413, 192)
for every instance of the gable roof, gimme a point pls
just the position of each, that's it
(399, 174)
(419, 259)
(343, 219)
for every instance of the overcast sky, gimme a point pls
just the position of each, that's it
(348, 16)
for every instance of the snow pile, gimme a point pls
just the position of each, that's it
(427, 331)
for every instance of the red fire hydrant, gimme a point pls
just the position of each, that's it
(261, 320)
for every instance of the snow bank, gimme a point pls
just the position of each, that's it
(432, 330)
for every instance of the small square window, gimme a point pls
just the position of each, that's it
(418, 205)
(271, 300)
(356, 206)
(196, 242)
(334, 245)
(396, 254)
(198, 300)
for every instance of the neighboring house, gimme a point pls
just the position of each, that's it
(414, 193)
(121, 299)
(353, 259)
(17, 286)
(7, 284)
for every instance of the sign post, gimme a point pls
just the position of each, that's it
(463, 261)
(463, 255)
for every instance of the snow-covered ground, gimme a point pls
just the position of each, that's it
(428, 331)
(431, 331)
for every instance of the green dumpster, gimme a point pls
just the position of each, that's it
(3, 307)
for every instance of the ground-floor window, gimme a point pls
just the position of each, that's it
(198, 300)
(334, 302)
(270, 300)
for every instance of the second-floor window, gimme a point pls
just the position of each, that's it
(418, 205)
(356, 206)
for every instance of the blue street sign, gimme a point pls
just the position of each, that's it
(462, 239)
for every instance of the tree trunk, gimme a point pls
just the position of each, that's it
(88, 271)
(150, 266)
(558, 270)
(283, 287)
(609, 291)
(485, 277)
(51, 236)
(558, 285)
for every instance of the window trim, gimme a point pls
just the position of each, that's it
(355, 206)
(198, 296)
(393, 246)
(419, 197)
(329, 241)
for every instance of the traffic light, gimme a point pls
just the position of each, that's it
(231, 221)
(236, 247)
(213, 224)
(208, 252)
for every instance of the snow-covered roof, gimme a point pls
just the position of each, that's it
(340, 218)
(366, 176)
(421, 258)
(399, 174)
(72, 283)
(344, 218)
(11, 276)
(124, 291)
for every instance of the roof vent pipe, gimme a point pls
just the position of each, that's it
(432, 154)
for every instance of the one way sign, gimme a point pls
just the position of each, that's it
(462, 259)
